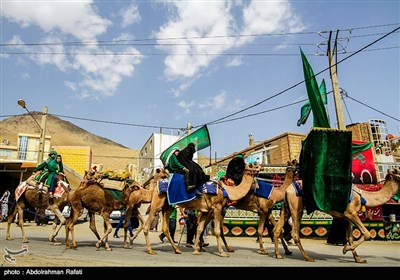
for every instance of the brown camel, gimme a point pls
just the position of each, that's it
(138, 196)
(93, 196)
(208, 204)
(263, 206)
(293, 206)
(40, 200)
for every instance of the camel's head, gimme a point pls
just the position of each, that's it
(161, 173)
(393, 174)
(252, 169)
(293, 167)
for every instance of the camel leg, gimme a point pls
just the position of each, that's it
(260, 231)
(21, 224)
(199, 232)
(227, 247)
(365, 235)
(70, 228)
(10, 220)
(140, 228)
(284, 216)
(165, 229)
(107, 231)
(56, 228)
(127, 243)
(296, 209)
(218, 218)
(150, 219)
(92, 224)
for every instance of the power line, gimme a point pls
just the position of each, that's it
(299, 83)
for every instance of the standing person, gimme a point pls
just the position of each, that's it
(172, 224)
(191, 227)
(121, 224)
(4, 205)
(56, 168)
(43, 170)
(197, 177)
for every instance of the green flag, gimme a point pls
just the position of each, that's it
(200, 138)
(306, 108)
(314, 95)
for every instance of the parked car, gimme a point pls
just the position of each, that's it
(50, 215)
(116, 214)
(114, 217)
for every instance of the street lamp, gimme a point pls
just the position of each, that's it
(42, 128)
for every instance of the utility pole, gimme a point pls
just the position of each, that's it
(335, 83)
(43, 135)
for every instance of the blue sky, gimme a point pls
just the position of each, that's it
(123, 69)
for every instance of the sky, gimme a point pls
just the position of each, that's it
(125, 69)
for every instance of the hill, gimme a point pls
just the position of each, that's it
(63, 133)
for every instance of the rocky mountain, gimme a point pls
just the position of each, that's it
(63, 133)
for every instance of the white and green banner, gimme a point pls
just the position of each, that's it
(200, 138)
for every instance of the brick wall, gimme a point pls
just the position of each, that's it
(79, 158)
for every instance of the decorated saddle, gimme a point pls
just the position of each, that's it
(176, 190)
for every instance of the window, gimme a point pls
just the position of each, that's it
(23, 147)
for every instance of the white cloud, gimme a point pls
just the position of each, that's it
(100, 74)
(236, 61)
(79, 19)
(186, 106)
(191, 22)
(130, 15)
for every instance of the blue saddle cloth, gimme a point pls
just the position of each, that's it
(177, 193)
(264, 189)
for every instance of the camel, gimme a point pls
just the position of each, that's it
(293, 206)
(263, 206)
(208, 204)
(92, 195)
(40, 200)
(138, 196)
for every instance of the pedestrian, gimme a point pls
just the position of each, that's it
(172, 224)
(121, 224)
(4, 205)
(191, 226)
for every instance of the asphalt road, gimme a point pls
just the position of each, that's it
(42, 253)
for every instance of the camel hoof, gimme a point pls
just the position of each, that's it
(279, 257)
(177, 251)
(262, 252)
(56, 243)
(151, 252)
(196, 253)
(109, 249)
(223, 254)
(345, 250)
(9, 238)
(230, 250)
(25, 240)
(127, 247)
(288, 253)
(359, 260)
(310, 259)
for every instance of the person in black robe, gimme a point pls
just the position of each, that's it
(196, 176)
(235, 169)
